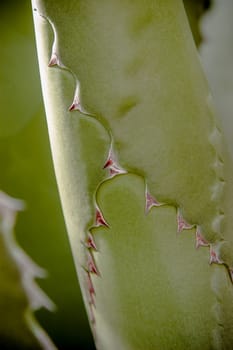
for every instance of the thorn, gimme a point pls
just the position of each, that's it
(90, 284)
(91, 299)
(214, 259)
(72, 107)
(108, 163)
(99, 219)
(200, 240)
(182, 224)
(54, 61)
(114, 168)
(151, 202)
(91, 290)
(90, 242)
(91, 265)
(91, 314)
(75, 106)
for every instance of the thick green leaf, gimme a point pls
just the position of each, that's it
(141, 111)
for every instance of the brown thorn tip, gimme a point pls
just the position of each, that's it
(90, 242)
(91, 265)
(214, 258)
(114, 170)
(75, 107)
(72, 107)
(200, 240)
(113, 167)
(91, 315)
(90, 284)
(53, 60)
(91, 298)
(151, 202)
(91, 290)
(99, 219)
(182, 224)
(108, 163)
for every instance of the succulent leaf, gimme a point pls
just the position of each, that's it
(134, 69)
(28, 271)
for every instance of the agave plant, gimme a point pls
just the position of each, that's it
(143, 170)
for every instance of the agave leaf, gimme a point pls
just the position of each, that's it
(176, 318)
(131, 128)
(18, 273)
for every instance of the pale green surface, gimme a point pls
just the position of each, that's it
(186, 117)
(140, 80)
(160, 284)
